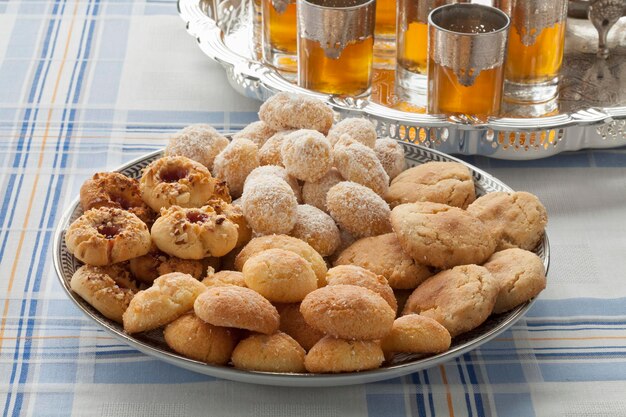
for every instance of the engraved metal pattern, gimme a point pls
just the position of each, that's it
(603, 14)
(467, 54)
(334, 27)
(531, 17)
(151, 343)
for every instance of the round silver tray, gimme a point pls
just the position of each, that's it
(592, 98)
(151, 343)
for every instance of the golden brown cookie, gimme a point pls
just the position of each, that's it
(460, 298)
(317, 229)
(258, 132)
(358, 210)
(448, 183)
(391, 156)
(331, 355)
(285, 111)
(155, 263)
(277, 352)
(358, 163)
(358, 128)
(520, 274)
(292, 322)
(416, 334)
(112, 189)
(306, 155)
(105, 236)
(384, 256)
(441, 236)
(169, 297)
(355, 275)
(314, 193)
(348, 312)
(108, 289)
(234, 213)
(269, 205)
(238, 307)
(515, 219)
(199, 142)
(194, 233)
(279, 275)
(198, 340)
(224, 277)
(285, 242)
(235, 163)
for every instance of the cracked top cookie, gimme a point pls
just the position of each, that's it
(441, 236)
(448, 183)
(460, 298)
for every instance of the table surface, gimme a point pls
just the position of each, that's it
(87, 85)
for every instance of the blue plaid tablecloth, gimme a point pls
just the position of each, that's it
(87, 85)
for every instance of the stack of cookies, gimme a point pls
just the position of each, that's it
(302, 246)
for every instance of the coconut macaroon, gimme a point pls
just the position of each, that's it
(169, 297)
(391, 156)
(277, 171)
(358, 210)
(200, 142)
(258, 132)
(279, 275)
(314, 192)
(317, 229)
(359, 129)
(285, 111)
(306, 155)
(196, 339)
(277, 352)
(358, 163)
(269, 153)
(235, 163)
(269, 205)
(332, 355)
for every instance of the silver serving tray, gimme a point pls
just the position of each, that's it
(151, 343)
(592, 99)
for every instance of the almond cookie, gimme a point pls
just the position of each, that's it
(285, 242)
(224, 277)
(258, 132)
(384, 256)
(269, 154)
(199, 142)
(441, 236)
(269, 353)
(269, 205)
(416, 334)
(358, 210)
(520, 274)
(279, 275)
(194, 233)
(391, 156)
(169, 297)
(200, 341)
(331, 355)
(448, 183)
(355, 275)
(358, 163)
(292, 322)
(348, 312)
(317, 229)
(358, 128)
(108, 289)
(238, 307)
(105, 236)
(314, 193)
(235, 163)
(112, 189)
(517, 220)
(176, 180)
(306, 155)
(285, 111)
(234, 213)
(460, 298)
(155, 263)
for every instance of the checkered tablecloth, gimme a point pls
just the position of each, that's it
(87, 85)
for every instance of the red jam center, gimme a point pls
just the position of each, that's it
(109, 231)
(123, 203)
(196, 217)
(172, 174)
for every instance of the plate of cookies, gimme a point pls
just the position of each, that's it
(301, 252)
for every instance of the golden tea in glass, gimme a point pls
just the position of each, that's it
(280, 34)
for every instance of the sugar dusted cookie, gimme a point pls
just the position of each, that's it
(332, 355)
(277, 352)
(235, 163)
(358, 128)
(316, 228)
(416, 334)
(306, 155)
(285, 111)
(355, 275)
(200, 142)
